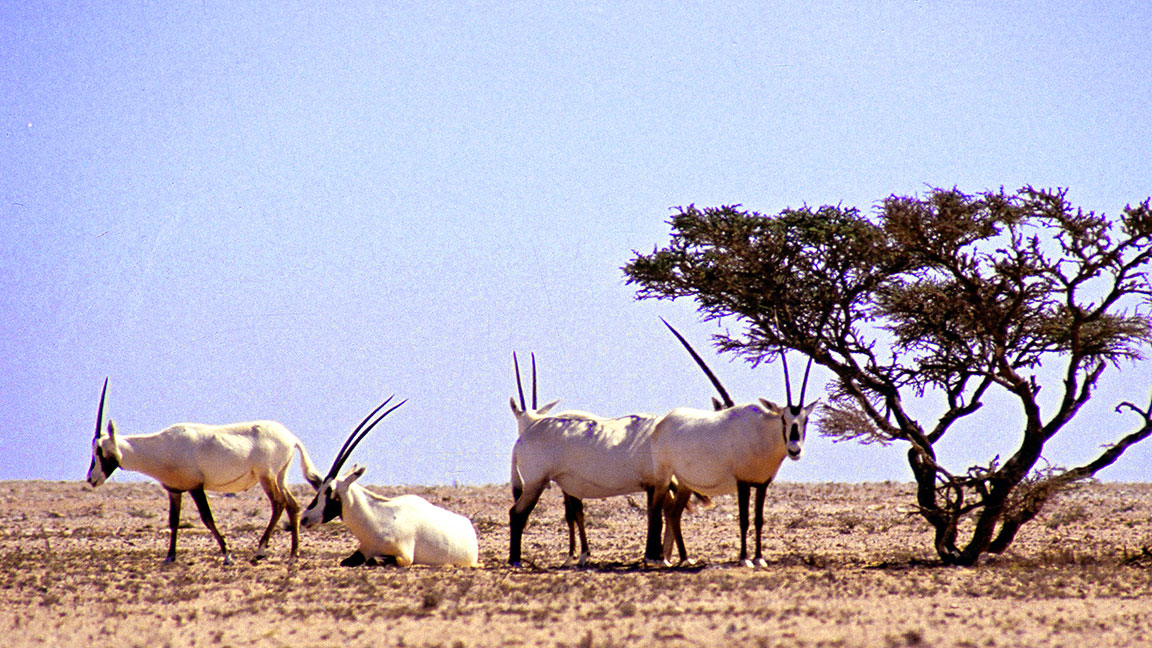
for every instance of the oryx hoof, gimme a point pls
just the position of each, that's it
(576, 561)
(227, 559)
(759, 562)
(744, 562)
(659, 563)
(689, 563)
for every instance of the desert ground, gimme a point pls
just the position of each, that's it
(849, 566)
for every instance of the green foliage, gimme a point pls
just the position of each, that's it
(949, 292)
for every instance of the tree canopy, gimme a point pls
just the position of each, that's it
(956, 294)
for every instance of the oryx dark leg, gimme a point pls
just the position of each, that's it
(174, 498)
(574, 515)
(761, 490)
(518, 519)
(293, 507)
(355, 560)
(674, 514)
(743, 490)
(201, 500)
(654, 548)
(276, 499)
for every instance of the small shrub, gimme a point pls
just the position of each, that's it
(1065, 516)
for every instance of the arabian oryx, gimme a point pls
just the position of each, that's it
(737, 448)
(194, 458)
(407, 529)
(588, 456)
(585, 454)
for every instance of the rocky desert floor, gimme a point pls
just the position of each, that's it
(849, 566)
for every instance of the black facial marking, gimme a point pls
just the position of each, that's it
(332, 506)
(107, 464)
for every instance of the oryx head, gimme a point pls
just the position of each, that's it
(105, 453)
(520, 411)
(326, 506)
(793, 418)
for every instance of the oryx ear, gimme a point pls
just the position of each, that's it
(356, 473)
(516, 411)
(716, 404)
(544, 410)
(811, 406)
(770, 406)
(111, 429)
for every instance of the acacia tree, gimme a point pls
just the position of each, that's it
(957, 296)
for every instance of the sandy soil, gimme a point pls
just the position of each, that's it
(849, 567)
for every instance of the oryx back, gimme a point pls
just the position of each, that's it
(709, 451)
(586, 455)
(410, 528)
(220, 458)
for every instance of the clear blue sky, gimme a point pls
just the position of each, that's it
(289, 211)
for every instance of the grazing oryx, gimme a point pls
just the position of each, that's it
(588, 456)
(736, 449)
(408, 529)
(195, 458)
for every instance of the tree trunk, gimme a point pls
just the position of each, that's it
(993, 509)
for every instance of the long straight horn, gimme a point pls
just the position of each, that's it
(519, 387)
(804, 385)
(534, 405)
(344, 451)
(100, 412)
(355, 440)
(787, 380)
(700, 361)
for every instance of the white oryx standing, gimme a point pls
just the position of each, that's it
(573, 506)
(408, 528)
(737, 448)
(588, 456)
(194, 458)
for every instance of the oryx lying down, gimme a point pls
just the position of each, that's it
(407, 529)
(734, 449)
(588, 456)
(194, 458)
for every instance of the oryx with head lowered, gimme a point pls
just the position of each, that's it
(738, 448)
(407, 529)
(194, 458)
